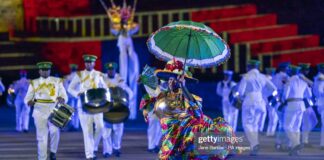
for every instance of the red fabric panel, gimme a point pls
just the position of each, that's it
(264, 33)
(233, 11)
(313, 57)
(279, 45)
(64, 53)
(242, 23)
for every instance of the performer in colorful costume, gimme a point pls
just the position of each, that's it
(181, 117)
(124, 28)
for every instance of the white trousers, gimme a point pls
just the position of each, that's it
(73, 102)
(230, 114)
(112, 137)
(22, 114)
(154, 131)
(273, 121)
(129, 70)
(251, 115)
(293, 116)
(90, 134)
(322, 129)
(43, 127)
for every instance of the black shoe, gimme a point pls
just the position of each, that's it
(156, 149)
(255, 150)
(116, 152)
(307, 145)
(106, 155)
(52, 156)
(151, 150)
(25, 130)
(294, 151)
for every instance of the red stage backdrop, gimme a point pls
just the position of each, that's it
(64, 53)
(53, 8)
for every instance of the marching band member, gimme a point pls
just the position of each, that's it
(223, 89)
(43, 93)
(294, 91)
(279, 80)
(154, 132)
(318, 91)
(250, 87)
(272, 113)
(20, 88)
(114, 132)
(307, 124)
(72, 100)
(85, 80)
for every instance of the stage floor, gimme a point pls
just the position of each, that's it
(22, 146)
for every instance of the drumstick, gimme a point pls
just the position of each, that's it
(104, 5)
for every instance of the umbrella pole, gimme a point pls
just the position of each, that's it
(185, 61)
(184, 88)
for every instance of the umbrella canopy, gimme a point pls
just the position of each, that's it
(193, 43)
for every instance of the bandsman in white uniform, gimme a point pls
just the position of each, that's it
(154, 131)
(73, 102)
(272, 112)
(318, 91)
(294, 92)
(250, 87)
(113, 132)
(85, 80)
(223, 89)
(279, 80)
(307, 124)
(20, 88)
(43, 93)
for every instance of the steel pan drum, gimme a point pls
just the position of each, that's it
(96, 100)
(61, 115)
(235, 100)
(119, 111)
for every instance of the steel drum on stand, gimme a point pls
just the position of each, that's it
(96, 100)
(119, 111)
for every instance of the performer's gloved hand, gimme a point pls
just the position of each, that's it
(60, 100)
(31, 103)
(145, 114)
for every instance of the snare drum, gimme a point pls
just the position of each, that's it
(274, 99)
(61, 115)
(235, 99)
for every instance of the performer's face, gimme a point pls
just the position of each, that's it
(89, 65)
(111, 73)
(173, 84)
(44, 73)
(227, 77)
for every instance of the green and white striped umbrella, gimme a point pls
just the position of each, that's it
(193, 43)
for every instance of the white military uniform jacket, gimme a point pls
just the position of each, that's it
(86, 80)
(45, 90)
(318, 90)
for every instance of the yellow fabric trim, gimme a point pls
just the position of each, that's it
(45, 101)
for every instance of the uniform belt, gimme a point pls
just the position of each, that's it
(294, 99)
(44, 101)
